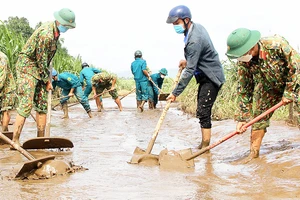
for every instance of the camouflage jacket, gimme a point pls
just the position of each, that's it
(38, 51)
(105, 77)
(7, 82)
(277, 68)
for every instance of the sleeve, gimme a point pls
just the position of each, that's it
(96, 71)
(192, 54)
(3, 71)
(71, 80)
(293, 60)
(43, 50)
(81, 78)
(144, 65)
(245, 93)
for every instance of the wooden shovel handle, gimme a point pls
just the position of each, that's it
(259, 117)
(162, 117)
(127, 93)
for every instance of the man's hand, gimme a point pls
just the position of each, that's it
(83, 88)
(71, 94)
(49, 86)
(171, 97)
(240, 128)
(149, 78)
(182, 63)
(286, 101)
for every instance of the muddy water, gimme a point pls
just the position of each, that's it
(106, 142)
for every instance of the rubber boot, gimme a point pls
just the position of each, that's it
(256, 139)
(151, 105)
(65, 110)
(206, 135)
(138, 103)
(41, 124)
(99, 104)
(5, 121)
(118, 102)
(20, 121)
(90, 114)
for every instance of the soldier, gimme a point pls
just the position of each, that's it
(141, 76)
(7, 91)
(158, 79)
(267, 73)
(86, 75)
(202, 61)
(33, 70)
(71, 86)
(103, 81)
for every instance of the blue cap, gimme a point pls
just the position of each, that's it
(54, 72)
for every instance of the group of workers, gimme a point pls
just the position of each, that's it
(268, 72)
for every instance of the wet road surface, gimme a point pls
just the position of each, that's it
(105, 143)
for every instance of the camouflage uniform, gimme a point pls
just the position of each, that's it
(106, 84)
(33, 69)
(7, 85)
(264, 81)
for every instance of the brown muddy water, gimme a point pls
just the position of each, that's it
(105, 143)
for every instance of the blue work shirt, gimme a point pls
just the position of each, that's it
(158, 81)
(202, 59)
(66, 81)
(86, 74)
(137, 68)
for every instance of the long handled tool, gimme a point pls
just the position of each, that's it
(48, 142)
(184, 158)
(30, 165)
(162, 96)
(59, 98)
(128, 93)
(139, 154)
(8, 134)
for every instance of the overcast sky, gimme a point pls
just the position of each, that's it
(108, 32)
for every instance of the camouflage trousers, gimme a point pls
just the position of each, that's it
(7, 101)
(264, 100)
(113, 93)
(31, 93)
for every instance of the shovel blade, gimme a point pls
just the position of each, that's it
(175, 160)
(163, 96)
(140, 157)
(47, 143)
(7, 134)
(33, 164)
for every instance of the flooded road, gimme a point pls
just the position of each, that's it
(105, 143)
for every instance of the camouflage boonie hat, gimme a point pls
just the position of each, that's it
(240, 41)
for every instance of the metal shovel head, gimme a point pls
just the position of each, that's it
(175, 159)
(140, 157)
(33, 164)
(7, 134)
(47, 143)
(163, 96)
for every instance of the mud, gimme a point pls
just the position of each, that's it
(104, 145)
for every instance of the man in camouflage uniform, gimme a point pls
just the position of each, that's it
(103, 81)
(71, 86)
(33, 70)
(268, 72)
(7, 90)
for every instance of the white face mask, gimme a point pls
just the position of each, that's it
(245, 58)
(162, 76)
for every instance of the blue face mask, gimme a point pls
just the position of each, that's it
(62, 29)
(179, 29)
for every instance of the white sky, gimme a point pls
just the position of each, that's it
(108, 32)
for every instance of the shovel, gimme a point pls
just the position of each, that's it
(183, 158)
(48, 142)
(8, 134)
(30, 165)
(139, 154)
(162, 96)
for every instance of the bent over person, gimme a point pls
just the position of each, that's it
(158, 79)
(7, 91)
(70, 85)
(268, 72)
(202, 61)
(33, 70)
(102, 81)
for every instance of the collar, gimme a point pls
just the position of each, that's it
(187, 35)
(56, 32)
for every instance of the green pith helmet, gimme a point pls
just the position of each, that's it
(65, 17)
(240, 41)
(138, 54)
(163, 71)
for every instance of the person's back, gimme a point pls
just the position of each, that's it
(137, 68)
(67, 81)
(87, 73)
